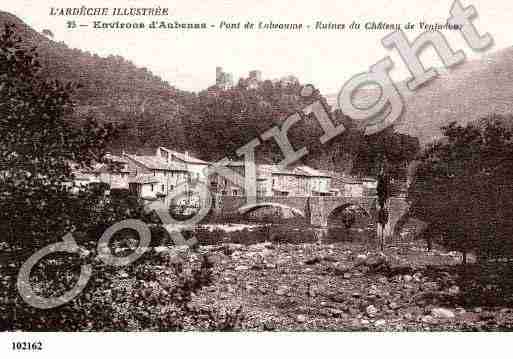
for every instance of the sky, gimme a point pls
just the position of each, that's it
(327, 59)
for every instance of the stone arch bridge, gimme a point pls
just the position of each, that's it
(315, 209)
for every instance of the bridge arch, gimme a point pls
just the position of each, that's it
(251, 207)
(348, 221)
(343, 206)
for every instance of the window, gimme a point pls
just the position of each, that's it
(235, 192)
(162, 188)
(151, 187)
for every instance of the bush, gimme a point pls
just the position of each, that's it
(463, 189)
(153, 293)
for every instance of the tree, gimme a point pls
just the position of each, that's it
(396, 149)
(383, 193)
(385, 155)
(463, 188)
(39, 147)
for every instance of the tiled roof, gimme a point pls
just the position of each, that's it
(114, 158)
(156, 163)
(266, 170)
(103, 167)
(312, 171)
(185, 157)
(299, 171)
(142, 179)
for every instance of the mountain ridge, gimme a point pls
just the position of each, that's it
(466, 93)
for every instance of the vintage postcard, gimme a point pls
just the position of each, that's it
(271, 166)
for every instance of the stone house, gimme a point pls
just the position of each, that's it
(195, 166)
(298, 181)
(343, 185)
(153, 178)
(146, 187)
(228, 186)
(82, 177)
(113, 171)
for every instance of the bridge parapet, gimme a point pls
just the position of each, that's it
(316, 208)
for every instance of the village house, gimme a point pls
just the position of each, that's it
(300, 181)
(343, 185)
(319, 182)
(227, 186)
(146, 187)
(82, 177)
(194, 166)
(153, 178)
(113, 171)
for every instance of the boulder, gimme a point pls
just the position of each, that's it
(428, 319)
(340, 268)
(442, 313)
(394, 305)
(371, 310)
(301, 318)
(375, 260)
(282, 290)
(360, 259)
(380, 323)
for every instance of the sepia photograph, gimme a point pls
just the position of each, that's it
(276, 166)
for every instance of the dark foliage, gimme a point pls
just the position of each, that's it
(39, 147)
(463, 188)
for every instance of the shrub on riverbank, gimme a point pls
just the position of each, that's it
(153, 293)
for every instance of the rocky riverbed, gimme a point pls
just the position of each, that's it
(275, 286)
(343, 286)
